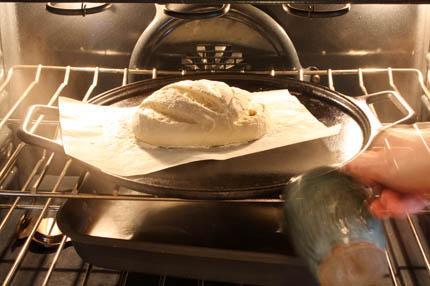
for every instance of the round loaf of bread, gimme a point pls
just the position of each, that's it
(199, 113)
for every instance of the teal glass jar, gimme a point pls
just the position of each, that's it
(329, 224)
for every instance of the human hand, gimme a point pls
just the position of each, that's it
(399, 160)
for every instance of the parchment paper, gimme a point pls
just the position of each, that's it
(102, 136)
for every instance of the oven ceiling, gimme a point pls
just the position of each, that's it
(256, 1)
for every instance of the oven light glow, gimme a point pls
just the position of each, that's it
(359, 52)
(377, 51)
(364, 52)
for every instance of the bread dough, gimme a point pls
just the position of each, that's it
(199, 113)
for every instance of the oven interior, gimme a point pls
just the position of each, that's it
(80, 50)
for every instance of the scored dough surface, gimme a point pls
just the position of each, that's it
(200, 113)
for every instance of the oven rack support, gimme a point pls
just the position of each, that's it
(32, 183)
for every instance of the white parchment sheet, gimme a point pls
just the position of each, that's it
(102, 136)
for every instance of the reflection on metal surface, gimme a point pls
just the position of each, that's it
(195, 11)
(317, 10)
(48, 232)
(99, 52)
(1, 61)
(78, 8)
(214, 57)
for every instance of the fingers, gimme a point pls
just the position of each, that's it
(368, 167)
(378, 210)
(396, 205)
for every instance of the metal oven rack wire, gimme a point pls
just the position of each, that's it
(50, 199)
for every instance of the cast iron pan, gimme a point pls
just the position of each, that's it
(256, 175)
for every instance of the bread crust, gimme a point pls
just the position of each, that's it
(199, 113)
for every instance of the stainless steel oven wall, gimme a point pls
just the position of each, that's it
(368, 36)
(2, 69)
(3, 101)
(105, 38)
(36, 36)
(5, 133)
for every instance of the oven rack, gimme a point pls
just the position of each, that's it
(123, 74)
(51, 200)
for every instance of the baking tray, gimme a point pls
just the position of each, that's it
(208, 240)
